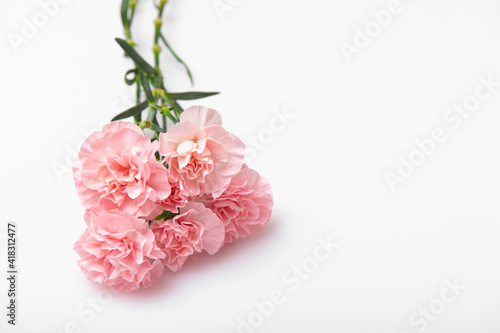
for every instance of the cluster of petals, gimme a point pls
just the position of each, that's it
(202, 156)
(177, 198)
(117, 168)
(151, 205)
(245, 206)
(194, 230)
(119, 250)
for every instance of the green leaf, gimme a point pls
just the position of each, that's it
(156, 128)
(132, 53)
(152, 114)
(191, 95)
(166, 215)
(130, 81)
(124, 12)
(155, 120)
(171, 117)
(177, 107)
(165, 111)
(132, 111)
(177, 58)
(147, 88)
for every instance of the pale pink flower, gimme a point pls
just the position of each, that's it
(116, 168)
(202, 156)
(195, 230)
(176, 199)
(245, 206)
(119, 250)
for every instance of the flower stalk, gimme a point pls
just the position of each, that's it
(151, 93)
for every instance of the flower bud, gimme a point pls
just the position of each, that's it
(156, 49)
(158, 22)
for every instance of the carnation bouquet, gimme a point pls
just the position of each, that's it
(161, 189)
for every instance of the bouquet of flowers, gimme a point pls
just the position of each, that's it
(153, 201)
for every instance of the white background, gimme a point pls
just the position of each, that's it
(350, 124)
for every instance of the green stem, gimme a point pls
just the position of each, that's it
(158, 25)
(164, 119)
(138, 117)
(128, 17)
(157, 51)
(152, 79)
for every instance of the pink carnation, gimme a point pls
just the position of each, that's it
(116, 168)
(176, 199)
(245, 206)
(196, 229)
(119, 250)
(202, 156)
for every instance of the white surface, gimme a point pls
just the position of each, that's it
(326, 166)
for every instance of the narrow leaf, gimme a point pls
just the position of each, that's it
(152, 115)
(139, 61)
(124, 12)
(177, 58)
(132, 111)
(191, 95)
(130, 81)
(166, 112)
(177, 108)
(147, 88)
(156, 128)
(169, 115)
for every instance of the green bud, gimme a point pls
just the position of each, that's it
(145, 124)
(156, 49)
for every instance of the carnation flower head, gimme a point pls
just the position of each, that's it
(202, 156)
(245, 206)
(177, 198)
(116, 168)
(119, 250)
(194, 230)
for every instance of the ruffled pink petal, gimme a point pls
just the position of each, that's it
(213, 235)
(202, 156)
(201, 116)
(178, 133)
(245, 206)
(196, 229)
(117, 169)
(119, 250)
